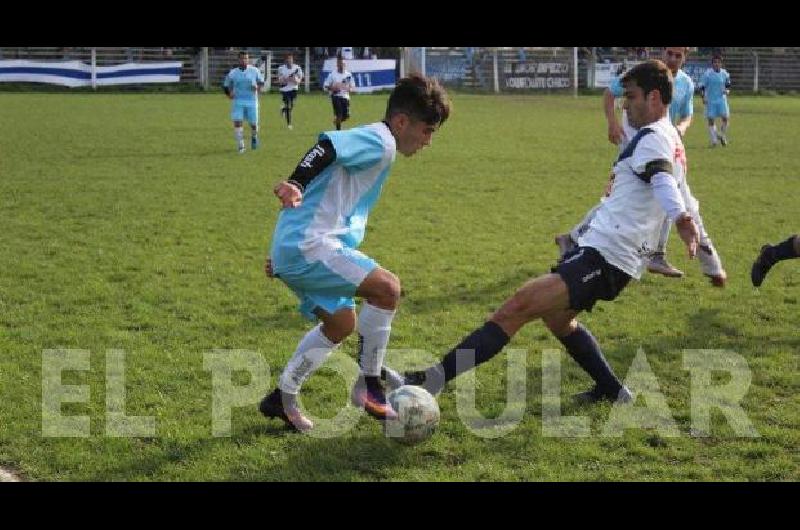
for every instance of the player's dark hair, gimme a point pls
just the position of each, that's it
(652, 75)
(421, 98)
(242, 53)
(716, 56)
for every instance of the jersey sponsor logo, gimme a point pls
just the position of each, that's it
(316, 151)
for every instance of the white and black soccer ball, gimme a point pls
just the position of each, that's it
(417, 415)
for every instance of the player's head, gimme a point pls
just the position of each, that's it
(417, 107)
(340, 63)
(244, 59)
(675, 57)
(648, 92)
(289, 59)
(716, 62)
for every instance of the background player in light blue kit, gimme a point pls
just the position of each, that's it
(715, 85)
(242, 85)
(326, 203)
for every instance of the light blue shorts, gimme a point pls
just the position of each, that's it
(245, 112)
(329, 283)
(717, 109)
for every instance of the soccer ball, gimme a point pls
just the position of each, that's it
(418, 415)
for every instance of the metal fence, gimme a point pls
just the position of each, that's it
(545, 70)
(502, 69)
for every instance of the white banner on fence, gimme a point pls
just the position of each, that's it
(605, 72)
(368, 74)
(78, 74)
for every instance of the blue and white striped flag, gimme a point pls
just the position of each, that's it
(77, 74)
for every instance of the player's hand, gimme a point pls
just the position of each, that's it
(268, 268)
(687, 229)
(289, 194)
(615, 133)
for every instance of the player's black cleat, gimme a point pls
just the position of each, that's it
(280, 405)
(762, 265)
(431, 379)
(596, 394)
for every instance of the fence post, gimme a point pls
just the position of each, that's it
(403, 62)
(755, 73)
(94, 68)
(496, 74)
(268, 72)
(204, 69)
(308, 69)
(575, 70)
(422, 61)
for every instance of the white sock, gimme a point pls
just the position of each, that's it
(238, 133)
(312, 351)
(664, 237)
(374, 327)
(254, 132)
(712, 132)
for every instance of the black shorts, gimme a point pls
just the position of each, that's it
(341, 107)
(589, 278)
(289, 96)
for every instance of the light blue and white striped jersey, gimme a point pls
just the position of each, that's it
(244, 83)
(336, 204)
(715, 84)
(682, 104)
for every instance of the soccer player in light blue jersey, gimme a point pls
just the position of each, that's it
(242, 85)
(716, 85)
(326, 203)
(681, 110)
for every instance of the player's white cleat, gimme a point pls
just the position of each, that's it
(290, 127)
(658, 264)
(242, 149)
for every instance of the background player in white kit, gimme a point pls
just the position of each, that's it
(326, 202)
(339, 83)
(290, 76)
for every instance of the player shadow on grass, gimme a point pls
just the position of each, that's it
(364, 452)
(146, 156)
(491, 293)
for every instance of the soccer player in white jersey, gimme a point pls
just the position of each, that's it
(680, 112)
(290, 76)
(242, 85)
(648, 177)
(716, 85)
(339, 83)
(326, 203)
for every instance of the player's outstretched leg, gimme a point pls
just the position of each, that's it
(770, 255)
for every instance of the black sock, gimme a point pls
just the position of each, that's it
(482, 344)
(583, 347)
(784, 250)
(288, 115)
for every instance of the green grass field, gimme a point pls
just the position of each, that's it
(129, 222)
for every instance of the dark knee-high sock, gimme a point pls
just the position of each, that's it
(583, 347)
(289, 115)
(784, 250)
(480, 346)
